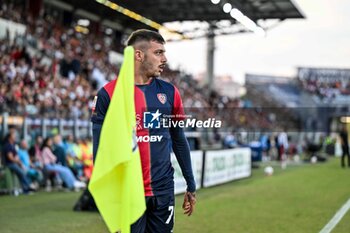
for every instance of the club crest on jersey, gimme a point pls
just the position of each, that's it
(161, 97)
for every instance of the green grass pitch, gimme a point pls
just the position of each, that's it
(300, 199)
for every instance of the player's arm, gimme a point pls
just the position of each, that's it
(99, 110)
(182, 153)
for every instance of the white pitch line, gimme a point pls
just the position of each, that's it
(336, 218)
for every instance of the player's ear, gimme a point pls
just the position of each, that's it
(139, 55)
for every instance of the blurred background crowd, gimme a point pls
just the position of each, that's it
(53, 70)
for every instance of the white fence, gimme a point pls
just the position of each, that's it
(211, 168)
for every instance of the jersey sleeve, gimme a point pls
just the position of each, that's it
(183, 156)
(99, 110)
(178, 109)
(180, 144)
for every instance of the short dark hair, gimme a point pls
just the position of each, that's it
(144, 35)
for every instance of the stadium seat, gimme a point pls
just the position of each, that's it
(9, 182)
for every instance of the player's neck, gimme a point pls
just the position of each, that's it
(141, 79)
(141, 74)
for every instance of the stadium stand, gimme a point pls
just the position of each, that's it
(326, 85)
(53, 70)
(278, 96)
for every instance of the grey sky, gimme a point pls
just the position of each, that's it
(321, 40)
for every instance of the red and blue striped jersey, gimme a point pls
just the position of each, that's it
(153, 101)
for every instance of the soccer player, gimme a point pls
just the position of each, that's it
(153, 99)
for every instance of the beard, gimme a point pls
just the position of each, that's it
(151, 70)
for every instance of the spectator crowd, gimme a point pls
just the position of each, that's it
(54, 71)
(49, 162)
(51, 71)
(327, 84)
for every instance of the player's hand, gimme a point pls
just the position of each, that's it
(189, 203)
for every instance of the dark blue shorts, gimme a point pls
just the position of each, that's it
(159, 215)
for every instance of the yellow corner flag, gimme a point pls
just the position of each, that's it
(116, 182)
